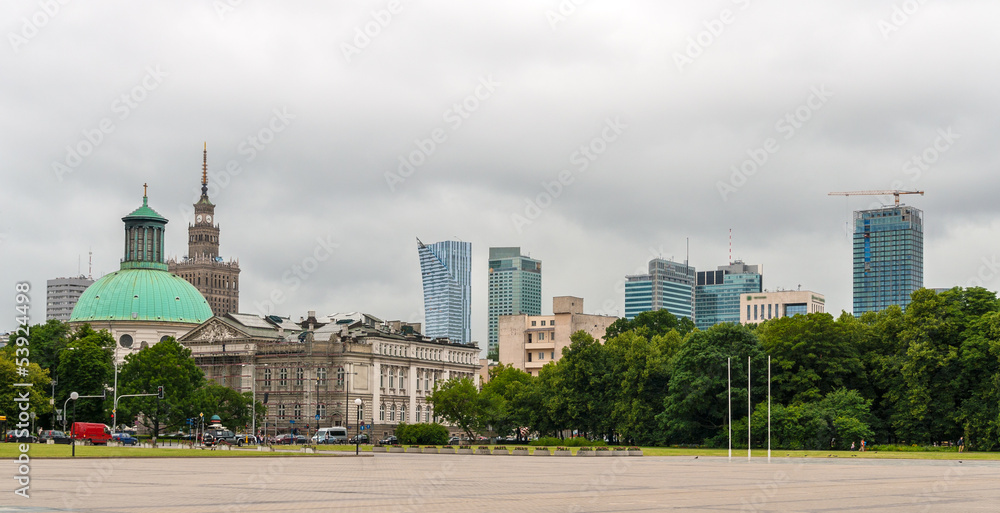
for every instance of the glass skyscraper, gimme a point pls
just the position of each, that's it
(446, 270)
(669, 285)
(717, 294)
(515, 284)
(888, 257)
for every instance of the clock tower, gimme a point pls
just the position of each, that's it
(215, 278)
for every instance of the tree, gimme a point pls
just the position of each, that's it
(11, 396)
(586, 385)
(458, 402)
(234, 408)
(812, 355)
(695, 407)
(640, 378)
(86, 367)
(170, 365)
(507, 393)
(656, 322)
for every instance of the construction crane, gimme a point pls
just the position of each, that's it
(894, 193)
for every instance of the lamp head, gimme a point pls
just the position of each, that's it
(74, 396)
(357, 402)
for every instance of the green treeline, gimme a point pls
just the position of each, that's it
(929, 374)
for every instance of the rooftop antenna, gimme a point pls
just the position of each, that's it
(204, 171)
(730, 246)
(90, 265)
(687, 252)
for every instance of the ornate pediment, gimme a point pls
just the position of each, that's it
(213, 331)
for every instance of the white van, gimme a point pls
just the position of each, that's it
(330, 435)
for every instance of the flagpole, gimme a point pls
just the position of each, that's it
(729, 371)
(748, 409)
(769, 408)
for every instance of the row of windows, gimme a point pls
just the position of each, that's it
(321, 376)
(551, 322)
(541, 355)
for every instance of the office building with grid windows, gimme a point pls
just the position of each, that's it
(515, 287)
(888, 257)
(669, 285)
(717, 293)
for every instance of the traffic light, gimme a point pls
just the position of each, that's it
(159, 392)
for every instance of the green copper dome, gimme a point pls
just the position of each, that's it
(141, 295)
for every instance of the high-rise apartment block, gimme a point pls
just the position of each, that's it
(446, 270)
(515, 287)
(61, 295)
(717, 293)
(216, 279)
(669, 285)
(888, 257)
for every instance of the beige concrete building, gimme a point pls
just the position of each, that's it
(319, 366)
(759, 307)
(528, 342)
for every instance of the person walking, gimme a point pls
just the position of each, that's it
(961, 444)
(862, 445)
(852, 446)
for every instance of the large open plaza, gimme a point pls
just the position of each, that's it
(426, 482)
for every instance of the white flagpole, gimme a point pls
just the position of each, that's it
(769, 408)
(748, 408)
(729, 371)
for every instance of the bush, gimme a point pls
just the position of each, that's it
(547, 441)
(569, 442)
(422, 434)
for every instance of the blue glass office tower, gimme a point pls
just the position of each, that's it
(515, 288)
(669, 285)
(888, 257)
(717, 294)
(446, 269)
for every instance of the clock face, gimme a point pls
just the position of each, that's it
(198, 218)
(208, 219)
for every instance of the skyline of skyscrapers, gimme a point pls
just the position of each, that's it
(668, 285)
(888, 257)
(515, 287)
(446, 273)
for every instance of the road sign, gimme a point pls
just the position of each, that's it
(317, 417)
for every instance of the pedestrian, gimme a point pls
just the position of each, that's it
(852, 445)
(862, 445)
(961, 444)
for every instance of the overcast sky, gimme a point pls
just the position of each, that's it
(641, 108)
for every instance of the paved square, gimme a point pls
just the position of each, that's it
(426, 482)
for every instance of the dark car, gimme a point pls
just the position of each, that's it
(391, 440)
(20, 436)
(124, 439)
(220, 436)
(290, 439)
(358, 439)
(57, 437)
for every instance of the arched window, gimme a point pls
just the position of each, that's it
(381, 413)
(392, 413)
(419, 410)
(392, 380)
(402, 413)
(427, 414)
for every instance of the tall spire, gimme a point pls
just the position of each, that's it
(204, 172)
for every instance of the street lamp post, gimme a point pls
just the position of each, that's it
(357, 439)
(72, 439)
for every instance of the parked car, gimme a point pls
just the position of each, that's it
(458, 441)
(124, 439)
(57, 437)
(390, 440)
(98, 434)
(20, 436)
(358, 439)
